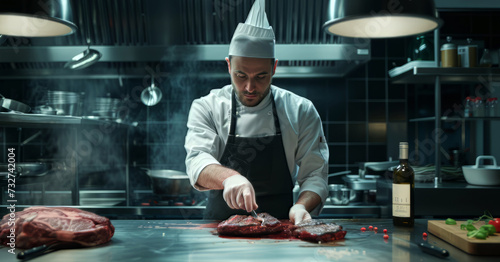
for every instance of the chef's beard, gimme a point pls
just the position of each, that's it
(241, 95)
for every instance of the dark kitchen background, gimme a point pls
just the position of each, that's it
(364, 114)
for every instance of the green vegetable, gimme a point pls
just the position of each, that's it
(479, 234)
(483, 232)
(469, 226)
(489, 228)
(450, 221)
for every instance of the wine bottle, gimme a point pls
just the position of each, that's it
(403, 188)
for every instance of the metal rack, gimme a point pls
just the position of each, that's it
(438, 75)
(20, 120)
(52, 121)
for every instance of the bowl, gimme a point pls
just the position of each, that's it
(482, 175)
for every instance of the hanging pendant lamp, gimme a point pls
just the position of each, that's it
(381, 18)
(32, 18)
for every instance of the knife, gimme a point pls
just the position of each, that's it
(429, 248)
(254, 214)
(45, 249)
(433, 250)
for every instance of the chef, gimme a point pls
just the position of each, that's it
(250, 142)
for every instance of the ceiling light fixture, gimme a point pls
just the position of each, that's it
(27, 18)
(381, 18)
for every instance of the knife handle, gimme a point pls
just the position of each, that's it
(34, 252)
(434, 250)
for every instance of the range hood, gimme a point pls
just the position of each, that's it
(132, 35)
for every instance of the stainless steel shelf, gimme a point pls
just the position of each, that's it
(52, 121)
(445, 118)
(427, 75)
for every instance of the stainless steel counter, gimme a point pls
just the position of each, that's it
(191, 240)
(196, 212)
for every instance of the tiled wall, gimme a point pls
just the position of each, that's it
(364, 115)
(357, 113)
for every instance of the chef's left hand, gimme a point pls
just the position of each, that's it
(298, 213)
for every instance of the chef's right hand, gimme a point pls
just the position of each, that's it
(239, 193)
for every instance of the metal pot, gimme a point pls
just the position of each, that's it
(169, 182)
(65, 103)
(25, 170)
(483, 175)
(84, 59)
(339, 194)
(13, 105)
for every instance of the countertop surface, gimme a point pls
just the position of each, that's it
(194, 240)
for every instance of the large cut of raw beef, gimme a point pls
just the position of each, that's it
(318, 231)
(36, 226)
(242, 225)
(308, 230)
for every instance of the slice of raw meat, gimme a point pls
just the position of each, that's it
(318, 231)
(242, 225)
(35, 226)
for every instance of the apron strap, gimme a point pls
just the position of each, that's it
(232, 130)
(275, 115)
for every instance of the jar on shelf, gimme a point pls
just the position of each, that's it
(421, 48)
(487, 107)
(467, 54)
(469, 107)
(478, 107)
(486, 60)
(449, 54)
(494, 109)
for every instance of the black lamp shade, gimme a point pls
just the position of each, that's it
(33, 18)
(381, 18)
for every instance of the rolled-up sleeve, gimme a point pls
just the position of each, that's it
(312, 155)
(201, 142)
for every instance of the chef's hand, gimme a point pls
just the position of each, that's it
(298, 213)
(239, 193)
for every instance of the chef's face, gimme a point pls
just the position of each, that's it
(251, 78)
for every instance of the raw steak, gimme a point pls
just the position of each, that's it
(242, 225)
(317, 231)
(35, 226)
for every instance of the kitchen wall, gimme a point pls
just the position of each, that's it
(357, 112)
(364, 114)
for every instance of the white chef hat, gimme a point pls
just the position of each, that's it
(254, 38)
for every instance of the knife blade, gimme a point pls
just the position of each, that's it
(254, 214)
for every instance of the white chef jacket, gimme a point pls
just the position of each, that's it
(304, 143)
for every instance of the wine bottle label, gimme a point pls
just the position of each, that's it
(401, 200)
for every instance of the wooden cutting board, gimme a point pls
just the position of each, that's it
(457, 237)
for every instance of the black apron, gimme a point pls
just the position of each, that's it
(262, 161)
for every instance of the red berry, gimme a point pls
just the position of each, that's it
(424, 234)
(375, 228)
(363, 229)
(386, 236)
(370, 227)
(385, 230)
